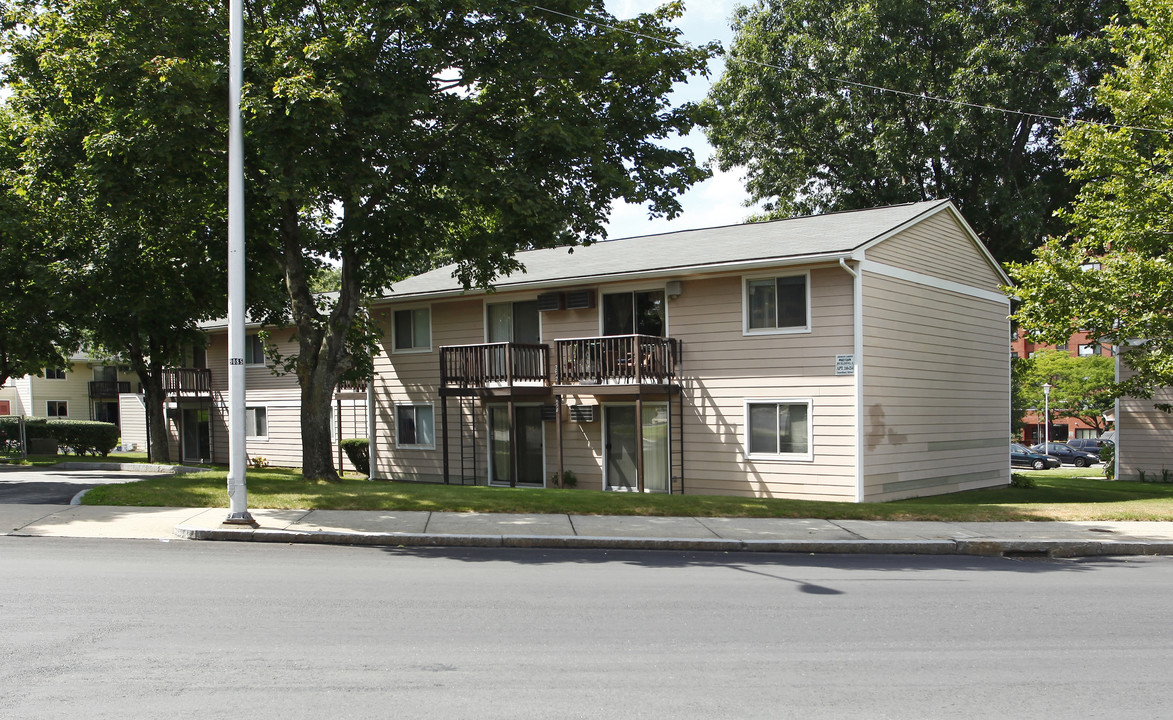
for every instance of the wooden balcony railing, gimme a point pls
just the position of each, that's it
(108, 388)
(187, 381)
(618, 360)
(493, 365)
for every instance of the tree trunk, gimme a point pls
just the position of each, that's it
(317, 456)
(160, 439)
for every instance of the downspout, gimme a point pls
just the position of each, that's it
(857, 351)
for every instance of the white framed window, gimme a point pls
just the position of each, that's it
(778, 429)
(415, 426)
(412, 330)
(54, 373)
(56, 408)
(254, 350)
(778, 304)
(256, 423)
(1089, 349)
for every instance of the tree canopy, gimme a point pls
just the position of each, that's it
(799, 111)
(37, 326)
(122, 117)
(1081, 386)
(379, 137)
(1113, 276)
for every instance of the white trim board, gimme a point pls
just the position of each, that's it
(871, 266)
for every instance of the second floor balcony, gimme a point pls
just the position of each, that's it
(493, 366)
(108, 388)
(619, 360)
(187, 382)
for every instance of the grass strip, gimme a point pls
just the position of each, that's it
(1058, 495)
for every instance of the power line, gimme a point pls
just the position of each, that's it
(844, 81)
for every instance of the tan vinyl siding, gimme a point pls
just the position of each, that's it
(936, 402)
(722, 369)
(940, 247)
(1142, 434)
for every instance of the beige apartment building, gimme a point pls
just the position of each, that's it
(854, 356)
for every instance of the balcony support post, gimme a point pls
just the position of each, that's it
(639, 440)
(558, 430)
(512, 445)
(444, 433)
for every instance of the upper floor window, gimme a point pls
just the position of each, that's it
(777, 304)
(413, 330)
(54, 373)
(105, 373)
(634, 313)
(513, 322)
(1089, 349)
(254, 350)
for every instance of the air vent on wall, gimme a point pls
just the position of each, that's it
(580, 299)
(549, 413)
(549, 301)
(582, 413)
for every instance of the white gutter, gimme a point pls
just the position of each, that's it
(857, 335)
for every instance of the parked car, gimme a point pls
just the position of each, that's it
(1089, 445)
(1022, 456)
(1067, 454)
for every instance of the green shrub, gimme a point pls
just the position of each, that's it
(1019, 480)
(1108, 457)
(569, 479)
(359, 452)
(34, 428)
(84, 437)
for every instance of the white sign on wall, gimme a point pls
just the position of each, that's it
(844, 364)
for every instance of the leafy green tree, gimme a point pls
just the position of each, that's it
(123, 116)
(382, 136)
(1114, 277)
(37, 326)
(812, 137)
(1082, 387)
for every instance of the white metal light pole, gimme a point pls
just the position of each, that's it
(237, 490)
(1047, 416)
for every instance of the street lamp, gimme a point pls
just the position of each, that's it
(237, 490)
(1047, 415)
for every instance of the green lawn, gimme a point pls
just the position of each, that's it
(1059, 495)
(47, 460)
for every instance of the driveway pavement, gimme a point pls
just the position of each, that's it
(55, 486)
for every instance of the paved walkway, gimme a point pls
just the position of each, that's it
(1056, 539)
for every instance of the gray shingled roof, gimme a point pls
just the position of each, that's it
(783, 240)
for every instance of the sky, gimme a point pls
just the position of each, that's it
(719, 200)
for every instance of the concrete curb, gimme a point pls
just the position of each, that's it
(130, 467)
(983, 547)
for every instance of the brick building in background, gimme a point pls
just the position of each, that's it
(1021, 346)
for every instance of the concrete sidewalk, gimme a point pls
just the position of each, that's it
(1055, 539)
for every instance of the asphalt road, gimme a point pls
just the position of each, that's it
(133, 629)
(36, 486)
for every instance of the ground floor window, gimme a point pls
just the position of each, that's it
(56, 408)
(415, 426)
(778, 429)
(256, 423)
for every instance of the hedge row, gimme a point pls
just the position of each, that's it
(77, 437)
